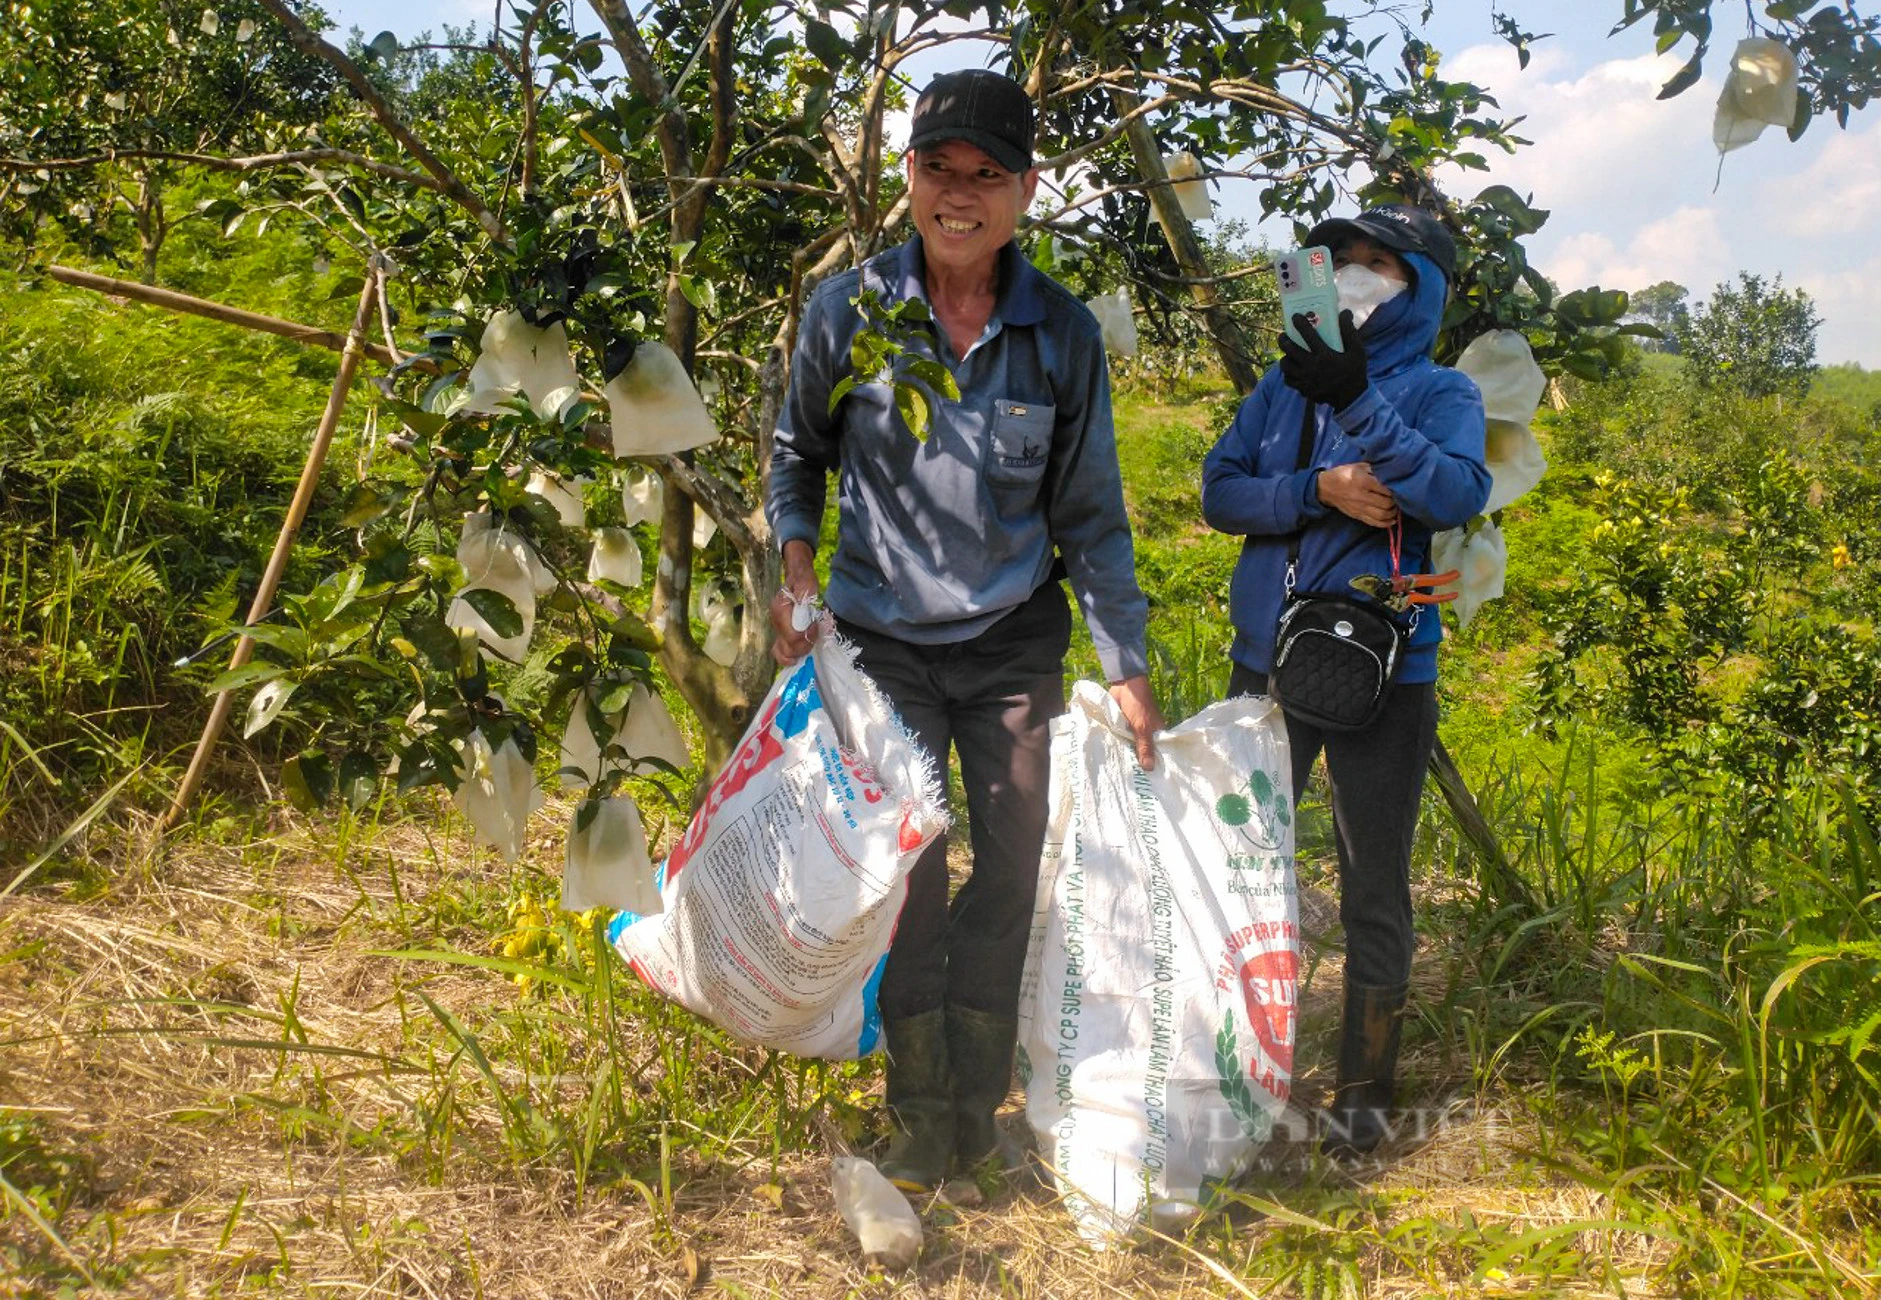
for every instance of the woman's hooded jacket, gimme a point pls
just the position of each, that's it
(1420, 427)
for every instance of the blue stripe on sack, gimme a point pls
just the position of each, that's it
(799, 700)
(618, 926)
(871, 1015)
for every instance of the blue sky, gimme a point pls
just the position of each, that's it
(1629, 180)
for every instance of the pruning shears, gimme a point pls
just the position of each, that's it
(1400, 591)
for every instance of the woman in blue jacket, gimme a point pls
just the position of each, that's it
(1397, 449)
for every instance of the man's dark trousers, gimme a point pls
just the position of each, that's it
(991, 698)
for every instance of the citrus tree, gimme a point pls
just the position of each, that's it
(591, 212)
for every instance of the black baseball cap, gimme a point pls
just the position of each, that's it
(984, 108)
(1397, 226)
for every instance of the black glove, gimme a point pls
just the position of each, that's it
(1318, 372)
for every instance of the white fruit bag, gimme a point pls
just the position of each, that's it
(1481, 559)
(653, 406)
(783, 893)
(1156, 1017)
(1759, 91)
(1115, 319)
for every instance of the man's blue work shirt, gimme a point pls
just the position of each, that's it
(937, 540)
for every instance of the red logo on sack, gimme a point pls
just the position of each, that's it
(1270, 986)
(757, 753)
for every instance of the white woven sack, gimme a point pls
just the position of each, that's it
(1156, 1016)
(783, 893)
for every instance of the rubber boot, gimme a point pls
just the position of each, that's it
(1368, 1069)
(979, 1044)
(920, 1099)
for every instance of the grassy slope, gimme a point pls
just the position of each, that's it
(216, 1080)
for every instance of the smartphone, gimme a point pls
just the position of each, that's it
(1306, 289)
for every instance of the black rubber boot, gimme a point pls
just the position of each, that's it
(921, 1101)
(979, 1045)
(1368, 1069)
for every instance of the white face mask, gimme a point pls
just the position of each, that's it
(1363, 291)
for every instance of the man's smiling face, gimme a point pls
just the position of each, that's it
(966, 206)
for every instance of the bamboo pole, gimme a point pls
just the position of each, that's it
(350, 353)
(1494, 871)
(1231, 346)
(183, 302)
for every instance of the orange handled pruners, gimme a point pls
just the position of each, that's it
(1401, 591)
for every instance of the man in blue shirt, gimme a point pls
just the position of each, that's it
(945, 575)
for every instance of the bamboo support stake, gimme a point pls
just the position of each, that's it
(1231, 346)
(183, 302)
(1494, 871)
(258, 609)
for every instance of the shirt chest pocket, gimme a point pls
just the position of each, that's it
(1019, 444)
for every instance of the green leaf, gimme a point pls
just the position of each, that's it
(388, 559)
(498, 610)
(267, 705)
(359, 779)
(936, 376)
(828, 48)
(416, 766)
(364, 503)
(247, 675)
(635, 631)
(700, 293)
(615, 698)
(308, 780)
(423, 423)
(1686, 77)
(1805, 114)
(842, 389)
(911, 402)
(1525, 220)
(434, 639)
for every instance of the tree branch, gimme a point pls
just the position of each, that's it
(215, 162)
(447, 181)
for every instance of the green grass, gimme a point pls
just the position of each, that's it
(148, 459)
(368, 1035)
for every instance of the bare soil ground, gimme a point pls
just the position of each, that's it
(141, 1025)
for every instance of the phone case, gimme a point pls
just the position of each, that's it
(1306, 288)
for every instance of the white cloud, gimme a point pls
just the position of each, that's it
(1845, 295)
(1637, 195)
(1600, 138)
(1837, 194)
(1688, 246)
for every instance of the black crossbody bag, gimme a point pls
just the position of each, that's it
(1335, 655)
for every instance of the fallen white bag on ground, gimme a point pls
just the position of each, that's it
(784, 891)
(1156, 1016)
(885, 1225)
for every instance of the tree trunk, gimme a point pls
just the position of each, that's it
(151, 223)
(722, 698)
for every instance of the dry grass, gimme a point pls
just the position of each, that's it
(140, 1032)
